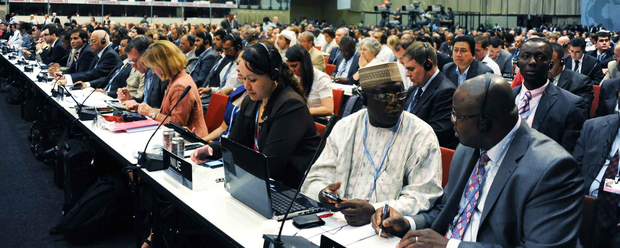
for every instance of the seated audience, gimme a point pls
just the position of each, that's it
(306, 40)
(464, 66)
(349, 64)
(482, 54)
(574, 82)
(583, 63)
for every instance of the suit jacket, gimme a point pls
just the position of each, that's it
(192, 58)
(56, 20)
(613, 71)
(609, 56)
(205, 62)
(608, 97)
(593, 146)
(99, 67)
(476, 68)
(591, 68)
(317, 59)
(535, 200)
(213, 78)
(514, 50)
(577, 84)
(445, 49)
(435, 107)
(443, 60)
(334, 56)
(120, 81)
(352, 70)
(226, 24)
(504, 60)
(559, 115)
(157, 89)
(54, 54)
(288, 135)
(82, 64)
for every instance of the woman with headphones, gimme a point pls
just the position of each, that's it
(317, 85)
(273, 118)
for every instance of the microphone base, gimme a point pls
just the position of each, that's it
(286, 242)
(150, 163)
(87, 115)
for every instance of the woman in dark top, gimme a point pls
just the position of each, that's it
(274, 120)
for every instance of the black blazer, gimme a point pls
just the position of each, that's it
(591, 68)
(559, 115)
(54, 54)
(435, 107)
(213, 78)
(593, 146)
(104, 66)
(83, 62)
(609, 56)
(445, 49)
(334, 56)
(578, 84)
(157, 90)
(443, 60)
(352, 70)
(476, 68)
(227, 25)
(537, 187)
(120, 81)
(288, 135)
(608, 97)
(203, 66)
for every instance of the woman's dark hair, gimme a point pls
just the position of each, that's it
(298, 53)
(258, 61)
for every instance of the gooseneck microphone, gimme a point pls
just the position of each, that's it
(297, 241)
(84, 115)
(152, 164)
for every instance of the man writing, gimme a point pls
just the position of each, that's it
(379, 154)
(509, 185)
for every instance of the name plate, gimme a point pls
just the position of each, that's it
(179, 169)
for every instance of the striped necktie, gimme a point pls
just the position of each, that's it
(524, 106)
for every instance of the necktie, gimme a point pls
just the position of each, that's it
(418, 94)
(524, 107)
(474, 184)
(576, 68)
(147, 86)
(607, 202)
(75, 58)
(107, 87)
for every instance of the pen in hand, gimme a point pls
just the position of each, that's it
(383, 217)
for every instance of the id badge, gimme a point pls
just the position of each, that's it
(612, 186)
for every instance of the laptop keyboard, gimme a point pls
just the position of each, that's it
(280, 203)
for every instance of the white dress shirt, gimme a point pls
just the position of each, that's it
(580, 64)
(490, 63)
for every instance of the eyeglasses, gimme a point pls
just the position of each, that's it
(227, 49)
(456, 117)
(389, 96)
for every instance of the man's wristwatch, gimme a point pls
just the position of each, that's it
(154, 115)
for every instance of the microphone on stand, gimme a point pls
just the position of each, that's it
(153, 163)
(84, 115)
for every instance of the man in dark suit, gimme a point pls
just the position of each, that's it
(349, 64)
(442, 58)
(334, 54)
(517, 48)
(82, 55)
(208, 57)
(508, 186)
(105, 61)
(115, 80)
(574, 82)
(446, 46)
(55, 19)
(603, 53)
(54, 52)
(154, 88)
(502, 57)
(430, 97)
(595, 151)
(464, 66)
(71, 21)
(608, 97)
(583, 63)
(545, 107)
(229, 23)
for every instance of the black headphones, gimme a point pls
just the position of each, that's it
(238, 46)
(273, 73)
(191, 40)
(103, 39)
(484, 123)
(428, 65)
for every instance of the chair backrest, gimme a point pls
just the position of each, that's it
(338, 94)
(329, 69)
(594, 106)
(446, 160)
(587, 223)
(215, 112)
(326, 59)
(320, 128)
(318, 47)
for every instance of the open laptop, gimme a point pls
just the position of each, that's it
(247, 180)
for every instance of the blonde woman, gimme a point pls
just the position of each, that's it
(168, 63)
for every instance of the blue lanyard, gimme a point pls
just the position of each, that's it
(502, 149)
(378, 171)
(256, 133)
(236, 110)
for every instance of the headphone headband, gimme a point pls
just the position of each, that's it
(483, 124)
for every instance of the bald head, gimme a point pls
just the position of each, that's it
(96, 39)
(500, 94)
(407, 37)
